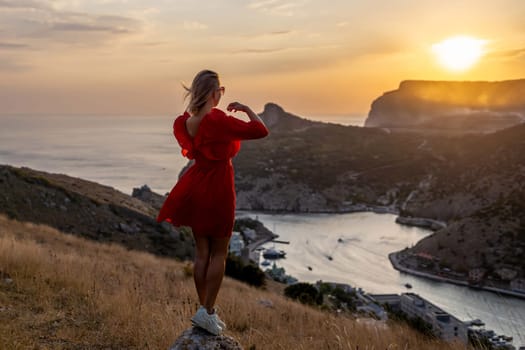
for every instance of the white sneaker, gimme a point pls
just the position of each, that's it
(206, 321)
(218, 320)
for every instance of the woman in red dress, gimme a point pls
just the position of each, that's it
(204, 196)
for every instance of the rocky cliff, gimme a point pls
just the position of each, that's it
(458, 106)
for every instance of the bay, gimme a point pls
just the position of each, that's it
(359, 244)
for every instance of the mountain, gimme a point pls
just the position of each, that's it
(312, 166)
(450, 106)
(473, 183)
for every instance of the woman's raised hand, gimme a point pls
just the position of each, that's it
(236, 106)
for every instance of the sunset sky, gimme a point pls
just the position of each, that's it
(311, 57)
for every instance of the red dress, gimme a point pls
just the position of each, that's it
(204, 196)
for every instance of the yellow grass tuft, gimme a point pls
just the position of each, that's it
(70, 293)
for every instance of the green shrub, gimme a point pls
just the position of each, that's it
(248, 273)
(306, 293)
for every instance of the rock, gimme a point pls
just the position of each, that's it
(146, 195)
(276, 119)
(431, 224)
(137, 192)
(127, 228)
(266, 303)
(198, 339)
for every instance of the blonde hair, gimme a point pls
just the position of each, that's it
(204, 82)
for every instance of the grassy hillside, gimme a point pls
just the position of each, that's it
(59, 291)
(88, 209)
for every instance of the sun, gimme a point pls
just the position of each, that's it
(459, 53)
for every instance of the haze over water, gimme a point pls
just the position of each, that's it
(127, 152)
(122, 152)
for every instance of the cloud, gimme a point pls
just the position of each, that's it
(194, 25)
(97, 25)
(262, 4)
(274, 34)
(13, 46)
(39, 21)
(10, 65)
(375, 43)
(24, 4)
(513, 53)
(281, 32)
(256, 51)
(276, 7)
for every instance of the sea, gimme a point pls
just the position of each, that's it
(126, 152)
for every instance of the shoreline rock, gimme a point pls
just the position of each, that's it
(427, 223)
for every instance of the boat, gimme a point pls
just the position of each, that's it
(408, 285)
(272, 253)
(477, 322)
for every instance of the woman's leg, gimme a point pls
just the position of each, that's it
(218, 255)
(200, 266)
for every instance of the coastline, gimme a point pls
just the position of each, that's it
(358, 208)
(397, 265)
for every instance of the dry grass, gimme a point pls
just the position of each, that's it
(70, 293)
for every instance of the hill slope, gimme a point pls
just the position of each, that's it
(64, 292)
(88, 209)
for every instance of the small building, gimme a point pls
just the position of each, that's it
(506, 273)
(518, 285)
(444, 325)
(425, 260)
(374, 310)
(249, 234)
(392, 300)
(236, 243)
(345, 287)
(253, 255)
(476, 275)
(424, 256)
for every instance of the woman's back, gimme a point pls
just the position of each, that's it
(216, 136)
